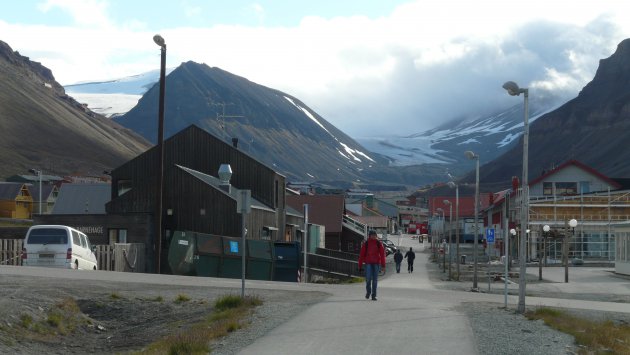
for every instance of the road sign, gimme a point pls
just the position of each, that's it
(490, 235)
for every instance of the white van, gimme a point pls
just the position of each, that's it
(58, 246)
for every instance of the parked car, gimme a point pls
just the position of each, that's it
(388, 243)
(58, 246)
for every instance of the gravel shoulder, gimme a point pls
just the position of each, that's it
(124, 317)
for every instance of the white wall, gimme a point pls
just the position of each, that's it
(571, 174)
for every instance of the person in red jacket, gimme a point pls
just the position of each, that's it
(373, 255)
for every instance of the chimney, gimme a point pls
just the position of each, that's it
(225, 173)
(235, 142)
(515, 183)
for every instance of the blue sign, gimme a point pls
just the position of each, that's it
(233, 247)
(490, 235)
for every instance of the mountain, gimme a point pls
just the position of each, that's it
(591, 128)
(274, 127)
(489, 136)
(113, 98)
(44, 128)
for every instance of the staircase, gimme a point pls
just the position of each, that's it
(354, 225)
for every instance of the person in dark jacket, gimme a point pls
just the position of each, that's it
(410, 256)
(398, 258)
(373, 255)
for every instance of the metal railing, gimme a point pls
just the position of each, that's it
(354, 225)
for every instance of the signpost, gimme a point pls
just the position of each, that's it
(243, 206)
(490, 235)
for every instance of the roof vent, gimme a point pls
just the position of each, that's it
(225, 174)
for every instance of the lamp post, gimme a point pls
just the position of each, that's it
(472, 156)
(572, 223)
(454, 185)
(441, 229)
(540, 259)
(450, 228)
(39, 174)
(514, 90)
(507, 262)
(160, 147)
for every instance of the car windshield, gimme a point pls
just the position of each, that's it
(48, 236)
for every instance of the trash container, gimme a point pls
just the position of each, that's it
(462, 259)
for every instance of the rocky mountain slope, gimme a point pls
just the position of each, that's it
(43, 128)
(591, 128)
(274, 127)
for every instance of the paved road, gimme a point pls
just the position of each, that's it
(405, 319)
(410, 316)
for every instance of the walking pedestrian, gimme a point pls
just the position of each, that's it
(410, 256)
(373, 255)
(398, 258)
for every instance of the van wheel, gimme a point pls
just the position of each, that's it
(94, 268)
(76, 264)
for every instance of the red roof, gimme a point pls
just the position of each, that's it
(466, 204)
(580, 165)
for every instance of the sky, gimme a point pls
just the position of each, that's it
(370, 67)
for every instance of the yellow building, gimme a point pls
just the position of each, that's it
(16, 201)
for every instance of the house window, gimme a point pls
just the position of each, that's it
(117, 236)
(562, 188)
(566, 188)
(547, 188)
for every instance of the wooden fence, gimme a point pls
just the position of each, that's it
(10, 251)
(118, 257)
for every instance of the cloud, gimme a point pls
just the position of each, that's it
(91, 13)
(424, 63)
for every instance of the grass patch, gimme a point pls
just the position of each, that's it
(158, 299)
(61, 319)
(26, 321)
(182, 298)
(230, 313)
(597, 337)
(115, 296)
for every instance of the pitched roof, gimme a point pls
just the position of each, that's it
(580, 165)
(82, 199)
(46, 191)
(10, 190)
(215, 182)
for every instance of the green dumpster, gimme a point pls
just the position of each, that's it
(210, 253)
(231, 262)
(181, 252)
(260, 257)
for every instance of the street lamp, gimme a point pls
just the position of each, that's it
(506, 248)
(441, 229)
(544, 256)
(472, 156)
(39, 174)
(572, 223)
(450, 229)
(159, 40)
(454, 185)
(514, 90)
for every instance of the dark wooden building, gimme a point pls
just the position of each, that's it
(194, 199)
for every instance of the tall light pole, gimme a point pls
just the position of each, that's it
(160, 147)
(440, 230)
(514, 90)
(450, 228)
(472, 156)
(39, 174)
(545, 229)
(572, 223)
(457, 262)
